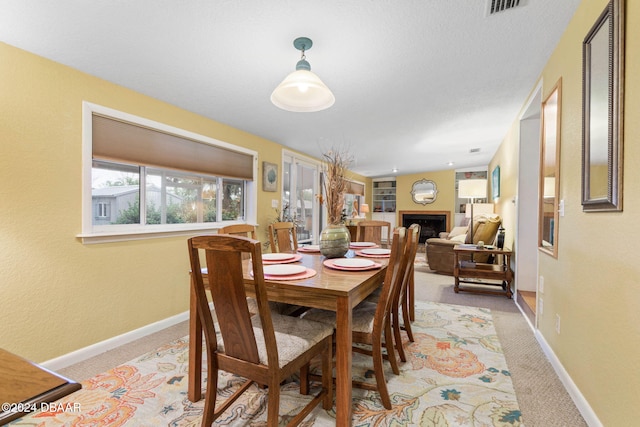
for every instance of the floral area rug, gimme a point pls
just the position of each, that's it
(455, 375)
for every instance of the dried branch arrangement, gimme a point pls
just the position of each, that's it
(336, 164)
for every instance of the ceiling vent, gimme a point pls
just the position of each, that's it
(474, 150)
(496, 6)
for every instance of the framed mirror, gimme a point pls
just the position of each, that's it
(602, 108)
(424, 192)
(550, 172)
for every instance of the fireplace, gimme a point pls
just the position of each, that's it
(432, 223)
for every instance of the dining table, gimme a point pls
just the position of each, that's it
(338, 290)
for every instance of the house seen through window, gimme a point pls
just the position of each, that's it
(169, 197)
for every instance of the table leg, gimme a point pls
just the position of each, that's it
(344, 342)
(194, 388)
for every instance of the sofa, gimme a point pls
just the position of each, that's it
(440, 249)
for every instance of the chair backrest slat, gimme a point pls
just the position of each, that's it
(230, 302)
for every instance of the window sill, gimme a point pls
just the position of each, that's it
(147, 233)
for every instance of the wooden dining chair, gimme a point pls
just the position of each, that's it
(265, 349)
(282, 237)
(371, 322)
(374, 231)
(246, 230)
(400, 300)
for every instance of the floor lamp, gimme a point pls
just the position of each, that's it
(472, 189)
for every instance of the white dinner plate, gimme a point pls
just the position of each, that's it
(283, 269)
(353, 262)
(311, 247)
(362, 244)
(277, 256)
(376, 251)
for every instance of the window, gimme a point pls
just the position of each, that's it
(149, 178)
(353, 199)
(103, 210)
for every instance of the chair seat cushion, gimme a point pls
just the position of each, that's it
(363, 316)
(294, 336)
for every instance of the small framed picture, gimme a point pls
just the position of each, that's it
(269, 176)
(495, 182)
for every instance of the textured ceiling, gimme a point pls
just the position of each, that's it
(418, 83)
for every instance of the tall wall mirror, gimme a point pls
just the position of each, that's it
(603, 87)
(550, 172)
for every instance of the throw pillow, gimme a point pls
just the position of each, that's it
(456, 231)
(459, 238)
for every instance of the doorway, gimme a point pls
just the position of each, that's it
(299, 189)
(526, 238)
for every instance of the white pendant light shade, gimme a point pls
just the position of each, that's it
(302, 91)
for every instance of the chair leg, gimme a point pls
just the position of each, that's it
(304, 379)
(378, 368)
(327, 375)
(390, 345)
(273, 402)
(396, 333)
(407, 320)
(210, 395)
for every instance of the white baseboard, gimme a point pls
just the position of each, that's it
(111, 343)
(581, 403)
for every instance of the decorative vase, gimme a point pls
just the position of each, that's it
(335, 241)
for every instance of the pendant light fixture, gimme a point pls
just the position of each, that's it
(302, 91)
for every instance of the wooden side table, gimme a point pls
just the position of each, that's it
(25, 386)
(471, 272)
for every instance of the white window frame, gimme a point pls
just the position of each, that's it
(103, 234)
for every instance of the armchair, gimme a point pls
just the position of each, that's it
(440, 249)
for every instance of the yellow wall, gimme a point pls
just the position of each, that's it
(507, 159)
(594, 284)
(59, 295)
(445, 198)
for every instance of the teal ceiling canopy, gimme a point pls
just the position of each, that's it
(302, 90)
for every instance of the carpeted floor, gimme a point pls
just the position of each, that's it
(455, 375)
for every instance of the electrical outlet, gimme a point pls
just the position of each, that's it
(557, 323)
(541, 285)
(274, 203)
(540, 306)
